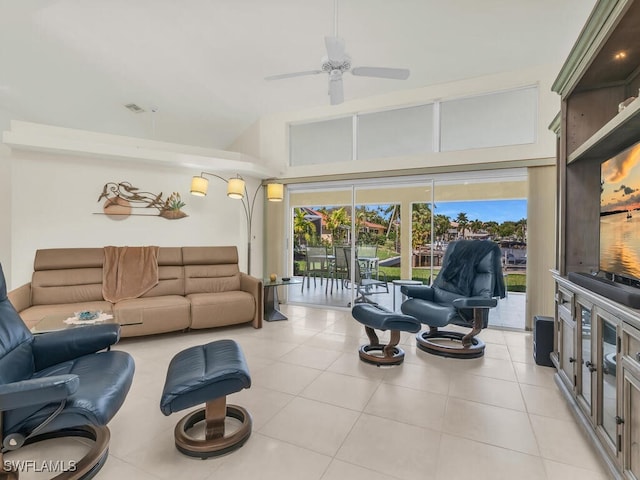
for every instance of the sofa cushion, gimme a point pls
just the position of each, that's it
(225, 308)
(211, 278)
(209, 255)
(156, 314)
(170, 282)
(170, 256)
(74, 285)
(68, 258)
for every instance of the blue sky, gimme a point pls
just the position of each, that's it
(485, 210)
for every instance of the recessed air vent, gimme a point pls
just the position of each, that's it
(134, 108)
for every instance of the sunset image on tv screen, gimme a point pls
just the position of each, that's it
(620, 213)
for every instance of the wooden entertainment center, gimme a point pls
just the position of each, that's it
(597, 338)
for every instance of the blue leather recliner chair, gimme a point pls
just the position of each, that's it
(467, 286)
(59, 384)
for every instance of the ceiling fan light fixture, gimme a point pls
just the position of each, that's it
(336, 62)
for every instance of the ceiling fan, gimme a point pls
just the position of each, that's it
(337, 62)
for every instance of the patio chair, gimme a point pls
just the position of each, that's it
(368, 257)
(318, 264)
(340, 265)
(365, 286)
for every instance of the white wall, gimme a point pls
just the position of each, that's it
(5, 199)
(54, 204)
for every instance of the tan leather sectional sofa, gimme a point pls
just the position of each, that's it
(199, 287)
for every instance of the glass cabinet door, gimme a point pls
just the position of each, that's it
(632, 426)
(586, 358)
(568, 356)
(607, 382)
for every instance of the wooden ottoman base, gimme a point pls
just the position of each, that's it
(215, 442)
(391, 353)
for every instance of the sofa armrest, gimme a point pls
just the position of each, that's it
(20, 298)
(254, 286)
(37, 391)
(57, 347)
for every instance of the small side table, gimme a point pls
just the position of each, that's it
(271, 303)
(400, 283)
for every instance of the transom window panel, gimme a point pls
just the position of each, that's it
(394, 133)
(328, 141)
(493, 120)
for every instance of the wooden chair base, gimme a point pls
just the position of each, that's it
(88, 466)
(458, 345)
(215, 442)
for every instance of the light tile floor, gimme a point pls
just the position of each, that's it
(321, 414)
(510, 312)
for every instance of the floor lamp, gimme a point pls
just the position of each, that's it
(237, 189)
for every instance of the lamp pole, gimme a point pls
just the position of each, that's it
(248, 210)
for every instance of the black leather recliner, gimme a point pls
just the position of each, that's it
(463, 292)
(59, 384)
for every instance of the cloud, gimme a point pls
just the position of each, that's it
(625, 190)
(617, 169)
(623, 204)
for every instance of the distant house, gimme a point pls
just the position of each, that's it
(319, 219)
(374, 228)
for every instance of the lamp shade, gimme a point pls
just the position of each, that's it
(235, 188)
(199, 186)
(275, 192)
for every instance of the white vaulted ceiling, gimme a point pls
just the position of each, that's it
(202, 63)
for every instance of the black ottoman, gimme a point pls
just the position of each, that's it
(374, 317)
(207, 374)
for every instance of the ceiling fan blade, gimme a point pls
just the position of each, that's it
(294, 74)
(336, 91)
(382, 72)
(335, 49)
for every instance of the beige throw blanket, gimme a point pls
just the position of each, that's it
(128, 272)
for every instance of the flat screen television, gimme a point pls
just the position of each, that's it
(620, 217)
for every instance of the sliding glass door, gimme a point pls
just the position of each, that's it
(356, 241)
(320, 224)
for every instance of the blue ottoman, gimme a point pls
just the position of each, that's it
(207, 374)
(374, 317)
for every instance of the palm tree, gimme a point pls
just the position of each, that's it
(442, 225)
(463, 223)
(420, 224)
(303, 228)
(393, 209)
(521, 229)
(492, 228)
(476, 226)
(336, 221)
